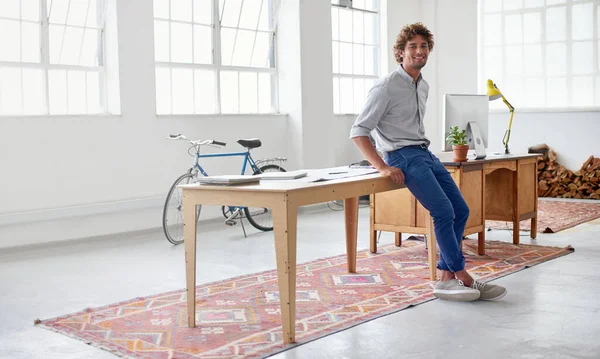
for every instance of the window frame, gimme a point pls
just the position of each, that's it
(46, 66)
(594, 106)
(217, 66)
(339, 75)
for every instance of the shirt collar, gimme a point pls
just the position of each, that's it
(406, 76)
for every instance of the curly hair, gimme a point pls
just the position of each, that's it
(407, 33)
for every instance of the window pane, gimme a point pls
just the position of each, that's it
(248, 92)
(10, 34)
(231, 13)
(262, 50)
(202, 44)
(346, 58)
(57, 10)
(30, 42)
(76, 89)
(250, 13)
(57, 33)
(583, 91)
(514, 60)
(181, 10)
(33, 92)
(77, 12)
(242, 52)
(335, 56)
(513, 33)
(71, 46)
(492, 5)
(513, 4)
(181, 39)
(345, 25)
(583, 21)
(30, 10)
(359, 95)
(10, 9)
(161, 41)
(533, 64)
(89, 48)
(532, 28)
(93, 93)
(10, 91)
(582, 57)
(96, 12)
(556, 59)
(533, 3)
(371, 29)
(182, 85)
(204, 88)
(556, 92)
(358, 27)
(492, 27)
(358, 4)
(346, 95)
(163, 91)
(57, 90)
(535, 94)
(335, 33)
(493, 64)
(359, 59)
(558, 18)
(513, 90)
(336, 95)
(229, 92)
(372, 5)
(161, 9)
(554, 2)
(371, 60)
(203, 12)
(264, 22)
(265, 93)
(227, 42)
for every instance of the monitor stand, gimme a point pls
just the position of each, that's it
(477, 139)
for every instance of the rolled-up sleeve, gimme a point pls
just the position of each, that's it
(375, 108)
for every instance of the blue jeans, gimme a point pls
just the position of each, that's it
(431, 184)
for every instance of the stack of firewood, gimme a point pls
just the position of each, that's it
(554, 180)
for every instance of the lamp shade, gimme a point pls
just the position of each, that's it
(492, 91)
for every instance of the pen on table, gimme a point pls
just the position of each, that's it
(337, 173)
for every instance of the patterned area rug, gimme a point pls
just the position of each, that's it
(554, 216)
(240, 317)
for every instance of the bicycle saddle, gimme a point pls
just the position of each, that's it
(250, 143)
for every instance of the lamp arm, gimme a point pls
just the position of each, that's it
(507, 134)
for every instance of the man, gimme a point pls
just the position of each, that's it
(394, 111)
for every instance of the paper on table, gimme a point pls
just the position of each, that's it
(228, 179)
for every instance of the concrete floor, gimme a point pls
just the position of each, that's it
(551, 310)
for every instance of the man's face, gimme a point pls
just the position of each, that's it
(415, 53)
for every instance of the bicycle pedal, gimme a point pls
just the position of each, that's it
(230, 223)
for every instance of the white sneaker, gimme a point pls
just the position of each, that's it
(489, 291)
(455, 289)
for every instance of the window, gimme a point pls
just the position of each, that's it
(205, 66)
(51, 60)
(542, 54)
(356, 52)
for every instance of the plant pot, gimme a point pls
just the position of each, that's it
(460, 152)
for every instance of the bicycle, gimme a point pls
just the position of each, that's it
(259, 218)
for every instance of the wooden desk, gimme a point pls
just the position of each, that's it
(284, 198)
(498, 187)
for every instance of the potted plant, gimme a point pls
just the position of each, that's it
(458, 140)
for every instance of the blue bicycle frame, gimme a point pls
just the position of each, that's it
(246, 155)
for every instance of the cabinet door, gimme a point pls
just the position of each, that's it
(395, 208)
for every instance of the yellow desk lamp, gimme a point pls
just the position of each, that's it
(494, 93)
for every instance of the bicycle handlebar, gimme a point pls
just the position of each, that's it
(197, 143)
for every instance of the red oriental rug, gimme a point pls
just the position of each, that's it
(240, 317)
(554, 216)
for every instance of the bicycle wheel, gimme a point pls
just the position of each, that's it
(262, 218)
(173, 211)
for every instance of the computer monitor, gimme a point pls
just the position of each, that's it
(470, 113)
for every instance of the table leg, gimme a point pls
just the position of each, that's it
(431, 249)
(351, 212)
(284, 226)
(481, 242)
(189, 240)
(398, 239)
(533, 233)
(516, 214)
(372, 232)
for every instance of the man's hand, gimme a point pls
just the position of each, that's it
(394, 173)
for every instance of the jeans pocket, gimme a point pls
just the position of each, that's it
(396, 159)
